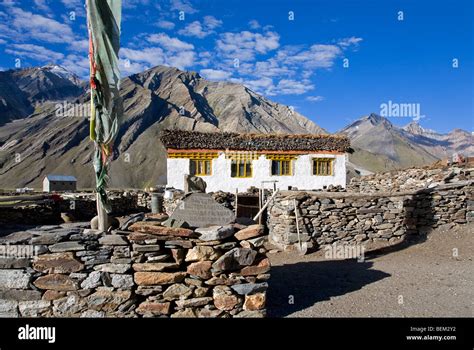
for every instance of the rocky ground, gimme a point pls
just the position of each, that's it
(421, 280)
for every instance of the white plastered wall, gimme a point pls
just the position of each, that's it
(221, 179)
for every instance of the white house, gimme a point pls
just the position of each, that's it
(230, 161)
(60, 183)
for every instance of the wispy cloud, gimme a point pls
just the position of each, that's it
(348, 42)
(42, 5)
(131, 4)
(37, 27)
(215, 74)
(315, 98)
(78, 64)
(165, 24)
(253, 24)
(246, 45)
(183, 5)
(35, 52)
(203, 30)
(172, 44)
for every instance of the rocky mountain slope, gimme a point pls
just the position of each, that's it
(379, 145)
(36, 140)
(159, 98)
(441, 145)
(21, 90)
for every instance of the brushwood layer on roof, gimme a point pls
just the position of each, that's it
(180, 139)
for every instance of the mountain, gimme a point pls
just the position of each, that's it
(162, 97)
(44, 127)
(441, 145)
(379, 145)
(21, 90)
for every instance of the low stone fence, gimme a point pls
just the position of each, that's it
(353, 218)
(78, 207)
(148, 271)
(409, 179)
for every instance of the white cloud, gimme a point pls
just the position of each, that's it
(165, 51)
(253, 24)
(263, 85)
(35, 52)
(131, 4)
(317, 56)
(172, 44)
(128, 68)
(204, 58)
(293, 87)
(2, 41)
(212, 22)
(80, 46)
(346, 42)
(42, 5)
(183, 5)
(215, 74)
(165, 24)
(72, 3)
(76, 5)
(245, 45)
(40, 28)
(272, 68)
(315, 98)
(78, 64)
(154, 56)
(199, 30)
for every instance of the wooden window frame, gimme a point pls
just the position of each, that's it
(202, 166)
(315, 166)
(245, 162)
(290, 167)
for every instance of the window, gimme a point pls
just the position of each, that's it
(281, 167)
(241, 168)
(200, 167)
(323, 166)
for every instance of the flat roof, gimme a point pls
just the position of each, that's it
(187, 140)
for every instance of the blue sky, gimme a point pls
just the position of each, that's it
(333, 61)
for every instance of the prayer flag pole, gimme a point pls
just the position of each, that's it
(104, 21)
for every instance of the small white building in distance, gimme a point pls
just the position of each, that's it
(230, 161)
(59, 183)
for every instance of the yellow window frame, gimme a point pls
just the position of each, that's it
(323, 166)
(285, 167)
(200, 166)
(247, 171)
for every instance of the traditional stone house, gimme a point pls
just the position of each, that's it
(230, 161)
(59, 183)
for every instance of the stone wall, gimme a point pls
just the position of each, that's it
(409, 179)
(78, 207)
(149, 270)
(352, 218)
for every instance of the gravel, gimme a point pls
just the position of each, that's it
(419, 280)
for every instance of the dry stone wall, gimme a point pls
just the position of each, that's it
(76, 207)
(150, 270)
(409, 179)
(354, 218)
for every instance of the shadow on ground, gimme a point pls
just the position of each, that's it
(307, 283)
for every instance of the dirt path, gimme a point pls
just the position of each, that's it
(421, 280)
